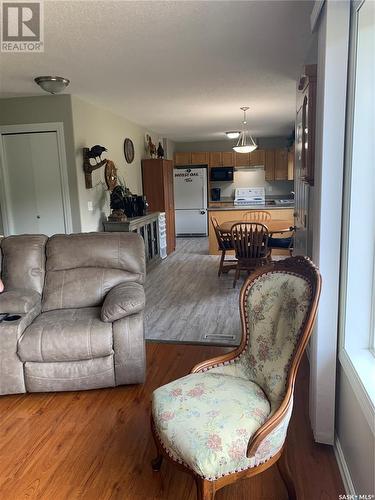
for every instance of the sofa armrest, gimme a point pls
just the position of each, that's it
(11, 367)
(123, 300)
(19, 301)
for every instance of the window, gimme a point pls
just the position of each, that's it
(357, 318)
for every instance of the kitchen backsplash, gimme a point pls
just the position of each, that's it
(253, 178)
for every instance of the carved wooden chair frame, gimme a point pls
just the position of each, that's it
(206, 489)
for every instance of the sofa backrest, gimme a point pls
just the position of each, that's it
(23, 261)
(82, 268)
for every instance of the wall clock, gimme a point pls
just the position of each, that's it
(129, 150)
(110, 174)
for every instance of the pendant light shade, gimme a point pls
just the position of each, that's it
(245, 143)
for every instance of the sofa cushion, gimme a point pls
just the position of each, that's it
(18, 301)
(23, 261)
(123, 300)
(205, 420)
(82, 268)
(66, 335)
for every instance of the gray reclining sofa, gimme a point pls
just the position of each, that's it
(80, 299)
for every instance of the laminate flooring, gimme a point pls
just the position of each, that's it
(97, 445)
(187, 302)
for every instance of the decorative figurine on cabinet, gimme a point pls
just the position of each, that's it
(160, 151)
(117, 204)
(150, 146)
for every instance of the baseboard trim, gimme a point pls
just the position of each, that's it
(343, 468)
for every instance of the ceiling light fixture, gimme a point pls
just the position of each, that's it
(245, 143)
(233, 134)
(52, 84)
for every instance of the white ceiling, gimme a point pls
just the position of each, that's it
(181, 68)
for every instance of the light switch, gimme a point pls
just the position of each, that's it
(89, 206)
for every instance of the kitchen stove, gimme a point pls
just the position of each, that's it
(249, 196)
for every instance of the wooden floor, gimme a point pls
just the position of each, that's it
(97, 444)
(186, 301)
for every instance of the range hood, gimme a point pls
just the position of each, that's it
(250, 168)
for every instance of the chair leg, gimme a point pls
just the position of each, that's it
(221, 263)
(158, 460)
(286, 476)
(205, 489)
(236, 276)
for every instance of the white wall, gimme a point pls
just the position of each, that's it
(94, 125)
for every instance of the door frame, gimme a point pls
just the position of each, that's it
(28, 128)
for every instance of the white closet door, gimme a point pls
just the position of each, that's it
(32, 169)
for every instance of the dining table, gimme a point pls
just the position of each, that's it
(273, 226)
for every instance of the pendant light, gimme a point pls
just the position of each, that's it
(245, 143)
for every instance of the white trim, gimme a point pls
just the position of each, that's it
(358, 387)
(57, 127)
(343, 468)
(315, 13)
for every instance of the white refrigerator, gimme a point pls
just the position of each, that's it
(190, 198)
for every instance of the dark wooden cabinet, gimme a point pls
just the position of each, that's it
(157, 178)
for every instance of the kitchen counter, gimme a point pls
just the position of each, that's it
(266, 206)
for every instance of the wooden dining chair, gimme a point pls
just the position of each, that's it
(228, 419)
(224, 241)
(257, 216)
(250, 243)
(282, 240)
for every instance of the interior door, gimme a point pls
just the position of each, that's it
(33, 183)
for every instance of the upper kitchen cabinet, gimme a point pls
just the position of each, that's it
(269, 165)
(227, 158)
(182, 158)
(200, 158)
(216, 159)
(241, 159)
(221, 159)
(281, 165)
(257, 157)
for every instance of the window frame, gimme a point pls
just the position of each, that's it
(357, 364)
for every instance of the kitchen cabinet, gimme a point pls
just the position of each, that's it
(269, 165)
(199, 158)
(221, 159)
(257, 157)
(157, 178)
(241, 159)
(281, 164)
(216, 159)
(182, 158)
(227, 158)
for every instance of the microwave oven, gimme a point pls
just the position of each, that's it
(221, 174)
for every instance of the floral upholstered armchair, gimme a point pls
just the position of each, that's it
(229, 417)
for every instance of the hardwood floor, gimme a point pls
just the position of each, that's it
(186, 301)
(97, 445)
